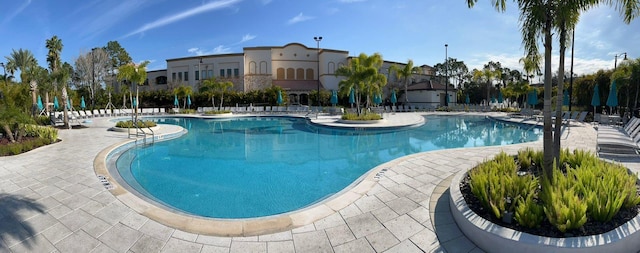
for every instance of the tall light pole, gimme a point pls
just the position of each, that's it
(446, 75)
(318, 39)
(615, 62)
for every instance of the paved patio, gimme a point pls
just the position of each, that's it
(52, 201)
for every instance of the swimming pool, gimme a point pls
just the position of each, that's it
(262, 166)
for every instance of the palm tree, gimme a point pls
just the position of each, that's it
(211, 86)
(183, 91)
(363, 76)
(136, 74)
(57, 75)
(22, 60)
(405, 73)
(537, 19)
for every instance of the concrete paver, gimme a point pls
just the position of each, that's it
(77, 214)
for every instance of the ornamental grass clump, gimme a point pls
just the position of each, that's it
(584, 189)
(140, 124)
(363, 116)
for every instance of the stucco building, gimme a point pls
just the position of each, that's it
(296, 68)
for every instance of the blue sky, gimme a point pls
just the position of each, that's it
(156, 30)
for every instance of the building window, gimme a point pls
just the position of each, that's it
(210, 74)
(173, 76)
(221, 72)
(310, 74)
(228, 72)
(180, 76)
(186, 75)
(291, 75)
(252, 67)
(263, 67)
(197, 74)
(332, 68)
(146, 81)
(236, 72)
(161, 80)
(280, 74)
(300, 74)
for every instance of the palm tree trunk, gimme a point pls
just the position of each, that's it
(547, 164)
(7, 130)
(559, 99)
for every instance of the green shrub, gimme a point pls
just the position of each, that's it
(364, 116)
(587, 188)
(529, 213)
(140, 124)
(216, 112)
(44, 132)
(21, 147)
(43, 120)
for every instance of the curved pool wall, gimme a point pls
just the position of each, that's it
(365, 162)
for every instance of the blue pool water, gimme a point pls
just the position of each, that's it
(261, 166)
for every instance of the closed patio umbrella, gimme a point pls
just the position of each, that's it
(40, 105)
(533, 98)
(466, 99)
(279, 100)
(394, 99)
(612, 100)
(188, 101)
(352, 97)
(500, 98)
(493, 100)
(595, 100)
(82, 103)
(175, 101)
(56, 105)
(565, 98)
(334, 97)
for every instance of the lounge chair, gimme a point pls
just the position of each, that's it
(616, 140)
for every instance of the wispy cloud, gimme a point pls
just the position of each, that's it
(247, 37)
(94, 25)
(182, 15)
(300, 18)
(350, 1)
(265, 2)
(12, 15)
(221, 49)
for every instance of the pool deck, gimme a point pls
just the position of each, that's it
(52, 201)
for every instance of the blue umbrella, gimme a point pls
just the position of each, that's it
(279, 97)
(565, 98)
(500, 99)
(352, 97)
(595, 100)
(466, 99)
(82, 103)
(40, 105)
(135, 103)
(378, 99)
(175, 101)
(394, 99)
(493, 99)
(189, 101)
(56, 105)
(533, 98)
(612, 100)
(448, 99)
(334, 97)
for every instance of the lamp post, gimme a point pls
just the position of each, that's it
(199, 75)
(615, 62)
(446, 75)
(93, 73)
(318, 39)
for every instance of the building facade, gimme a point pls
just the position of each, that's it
(296, 68)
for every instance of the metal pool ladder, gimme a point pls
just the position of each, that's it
(141, 134)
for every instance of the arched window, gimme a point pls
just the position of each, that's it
(300, 74)
(310, 75)
(263, 67)
(252, 67)
(161, 80)
(332, 68)
(280, 74)
(291, 75)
